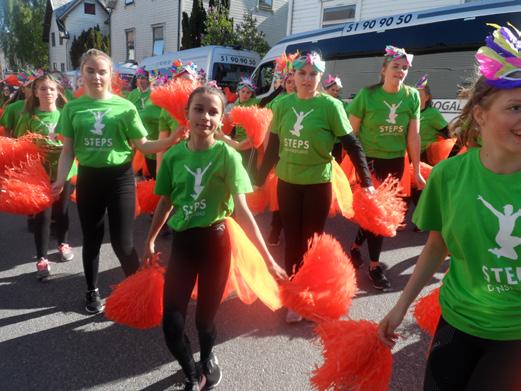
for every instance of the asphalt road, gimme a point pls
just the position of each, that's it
(47, 342)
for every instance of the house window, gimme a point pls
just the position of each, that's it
(54, 67)
(127, 2)
(53, 39)
(89, 8)
(266, 4)
(61, 39)
(158, 40)
(131, 51)
(338, 15)
(62, 67)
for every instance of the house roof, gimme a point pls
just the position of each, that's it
(61, 8)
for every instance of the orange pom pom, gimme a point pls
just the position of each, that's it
(439, 150)
(427, 312)
(173, 97)
(270, 188)
(25, 189)
(255, 122)
(73, 196)
(79, 92)
(354, 357)
(2, 129)
(230, 96)
(227, 126)
(12, 80)
(139, 164)
(15, 151)
(138, 300)
(382, 212)
(257, 201)
(425, 170)
(324, 286)
(146, 198)
(118, 84)
(342, 202)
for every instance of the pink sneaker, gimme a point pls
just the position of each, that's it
(65, 252)
(43, 269)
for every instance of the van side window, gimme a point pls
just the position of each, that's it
(263, 77)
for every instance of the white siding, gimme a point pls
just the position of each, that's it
(376, 8)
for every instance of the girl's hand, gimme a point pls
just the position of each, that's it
(277, 272)
(218, 135)
(369, 189)
(388, 325)
(181, 133)
(56, 188)
(150, 250)
(419, 180)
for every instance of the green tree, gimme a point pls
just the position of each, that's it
(249, 37)
(88, 39)
(193, 26)
(186, 40)
(219, 28)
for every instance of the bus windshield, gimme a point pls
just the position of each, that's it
(229, 75)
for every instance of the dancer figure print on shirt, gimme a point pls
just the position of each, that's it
(98, 125)
(198, 178)
(298, 123)
(392, 112)
(507, 221)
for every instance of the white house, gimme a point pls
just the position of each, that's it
(143, 28)
(305, 15)
(66, 19)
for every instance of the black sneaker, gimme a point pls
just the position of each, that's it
(212, 371)
(356, 257)
(196, 385)
(274, 238)
(379, 280)
(93, 304)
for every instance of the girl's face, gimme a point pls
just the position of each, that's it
(424, 97)
(6, 91)
(500, 124)
(289, 85)
(333, 90)
(307, 79)
(46, 91)
(142, 83)
(245, 94)
(204, 115)
(96, 74)
(395, 71)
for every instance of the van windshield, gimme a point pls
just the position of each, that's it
(229, 75)
(263, 77)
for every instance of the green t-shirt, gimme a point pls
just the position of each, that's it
(307, 130)
(167, 123)
(200, 184)
(101, 130)
(478, 214)
(385, 120)
(240, 133)
(278, 97)
(431, 122)
(12, 114)
(148, 112)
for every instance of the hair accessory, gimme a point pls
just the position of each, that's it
(141, 73)
(313, 59)
(330, 80)
(500, 61)
(284, 65)
(422, 83)
(246, 82)
(395, 53)
(178, 68)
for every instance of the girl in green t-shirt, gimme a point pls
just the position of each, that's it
(40, 116)
(304, 129)
(472, 208)
(204, 179)
(386, 119)
(13, 109)
(100, 129)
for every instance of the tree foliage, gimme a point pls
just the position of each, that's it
(22, 31)
(194, 26)
(88, 39)
(219, 28)
(248, 37)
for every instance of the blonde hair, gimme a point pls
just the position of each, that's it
(464, 126)
(96, 53)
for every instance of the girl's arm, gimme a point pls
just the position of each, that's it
(246, 220)
(413, 147)
(153, 146)
(64, 165)
(429, 262)
(163, 209)
(237, 145)
(356, 153)
(270, 159)
(355, 123)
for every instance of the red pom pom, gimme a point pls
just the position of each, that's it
(257, 201)
(439, 150)
(324, 286)
(427, 312)
(173, 97)
(25, 189)
(118, 84)
(255, 122)
(354, 357)
(12, 80)
(139, 164)
(270, 188)
(382, 212)
(146, 198)
(15, 151)
(138, 300)
(227, 126)
(230, 96)
(79, 92)
(2, 129)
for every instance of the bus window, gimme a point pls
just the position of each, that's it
(263, 77)
(229, 75)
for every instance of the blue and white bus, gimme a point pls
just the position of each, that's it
(443, 40)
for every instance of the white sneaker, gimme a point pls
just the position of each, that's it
(293, 317)
(65, 252)
(43, 269)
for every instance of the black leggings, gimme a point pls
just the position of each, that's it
(380, 168)
(59, 212)
(461, 362)
(110, 189)
(303, 211)
(202, 253)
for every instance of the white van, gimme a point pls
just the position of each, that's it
(443, 40)
(224, 64)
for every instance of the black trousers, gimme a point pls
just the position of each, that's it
(108, 190)
(152, 166)
(303, 212)
(380, 168)
(202, 254)
(461, 362)
(59, 212)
